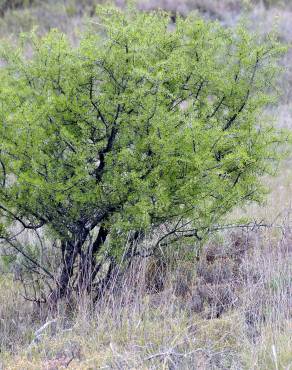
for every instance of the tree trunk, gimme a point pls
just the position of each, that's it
(89, 267)
(70, 251)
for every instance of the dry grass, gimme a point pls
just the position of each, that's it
(16, 316)
(135, 329)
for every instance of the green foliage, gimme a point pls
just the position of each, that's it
(142, 124)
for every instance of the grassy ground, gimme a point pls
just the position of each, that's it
(231, 313)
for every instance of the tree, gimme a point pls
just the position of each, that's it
(143, 124)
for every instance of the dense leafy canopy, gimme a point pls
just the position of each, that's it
(143, 123)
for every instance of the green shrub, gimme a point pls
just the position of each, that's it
(138, 127)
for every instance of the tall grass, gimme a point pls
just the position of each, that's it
(248, 278)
